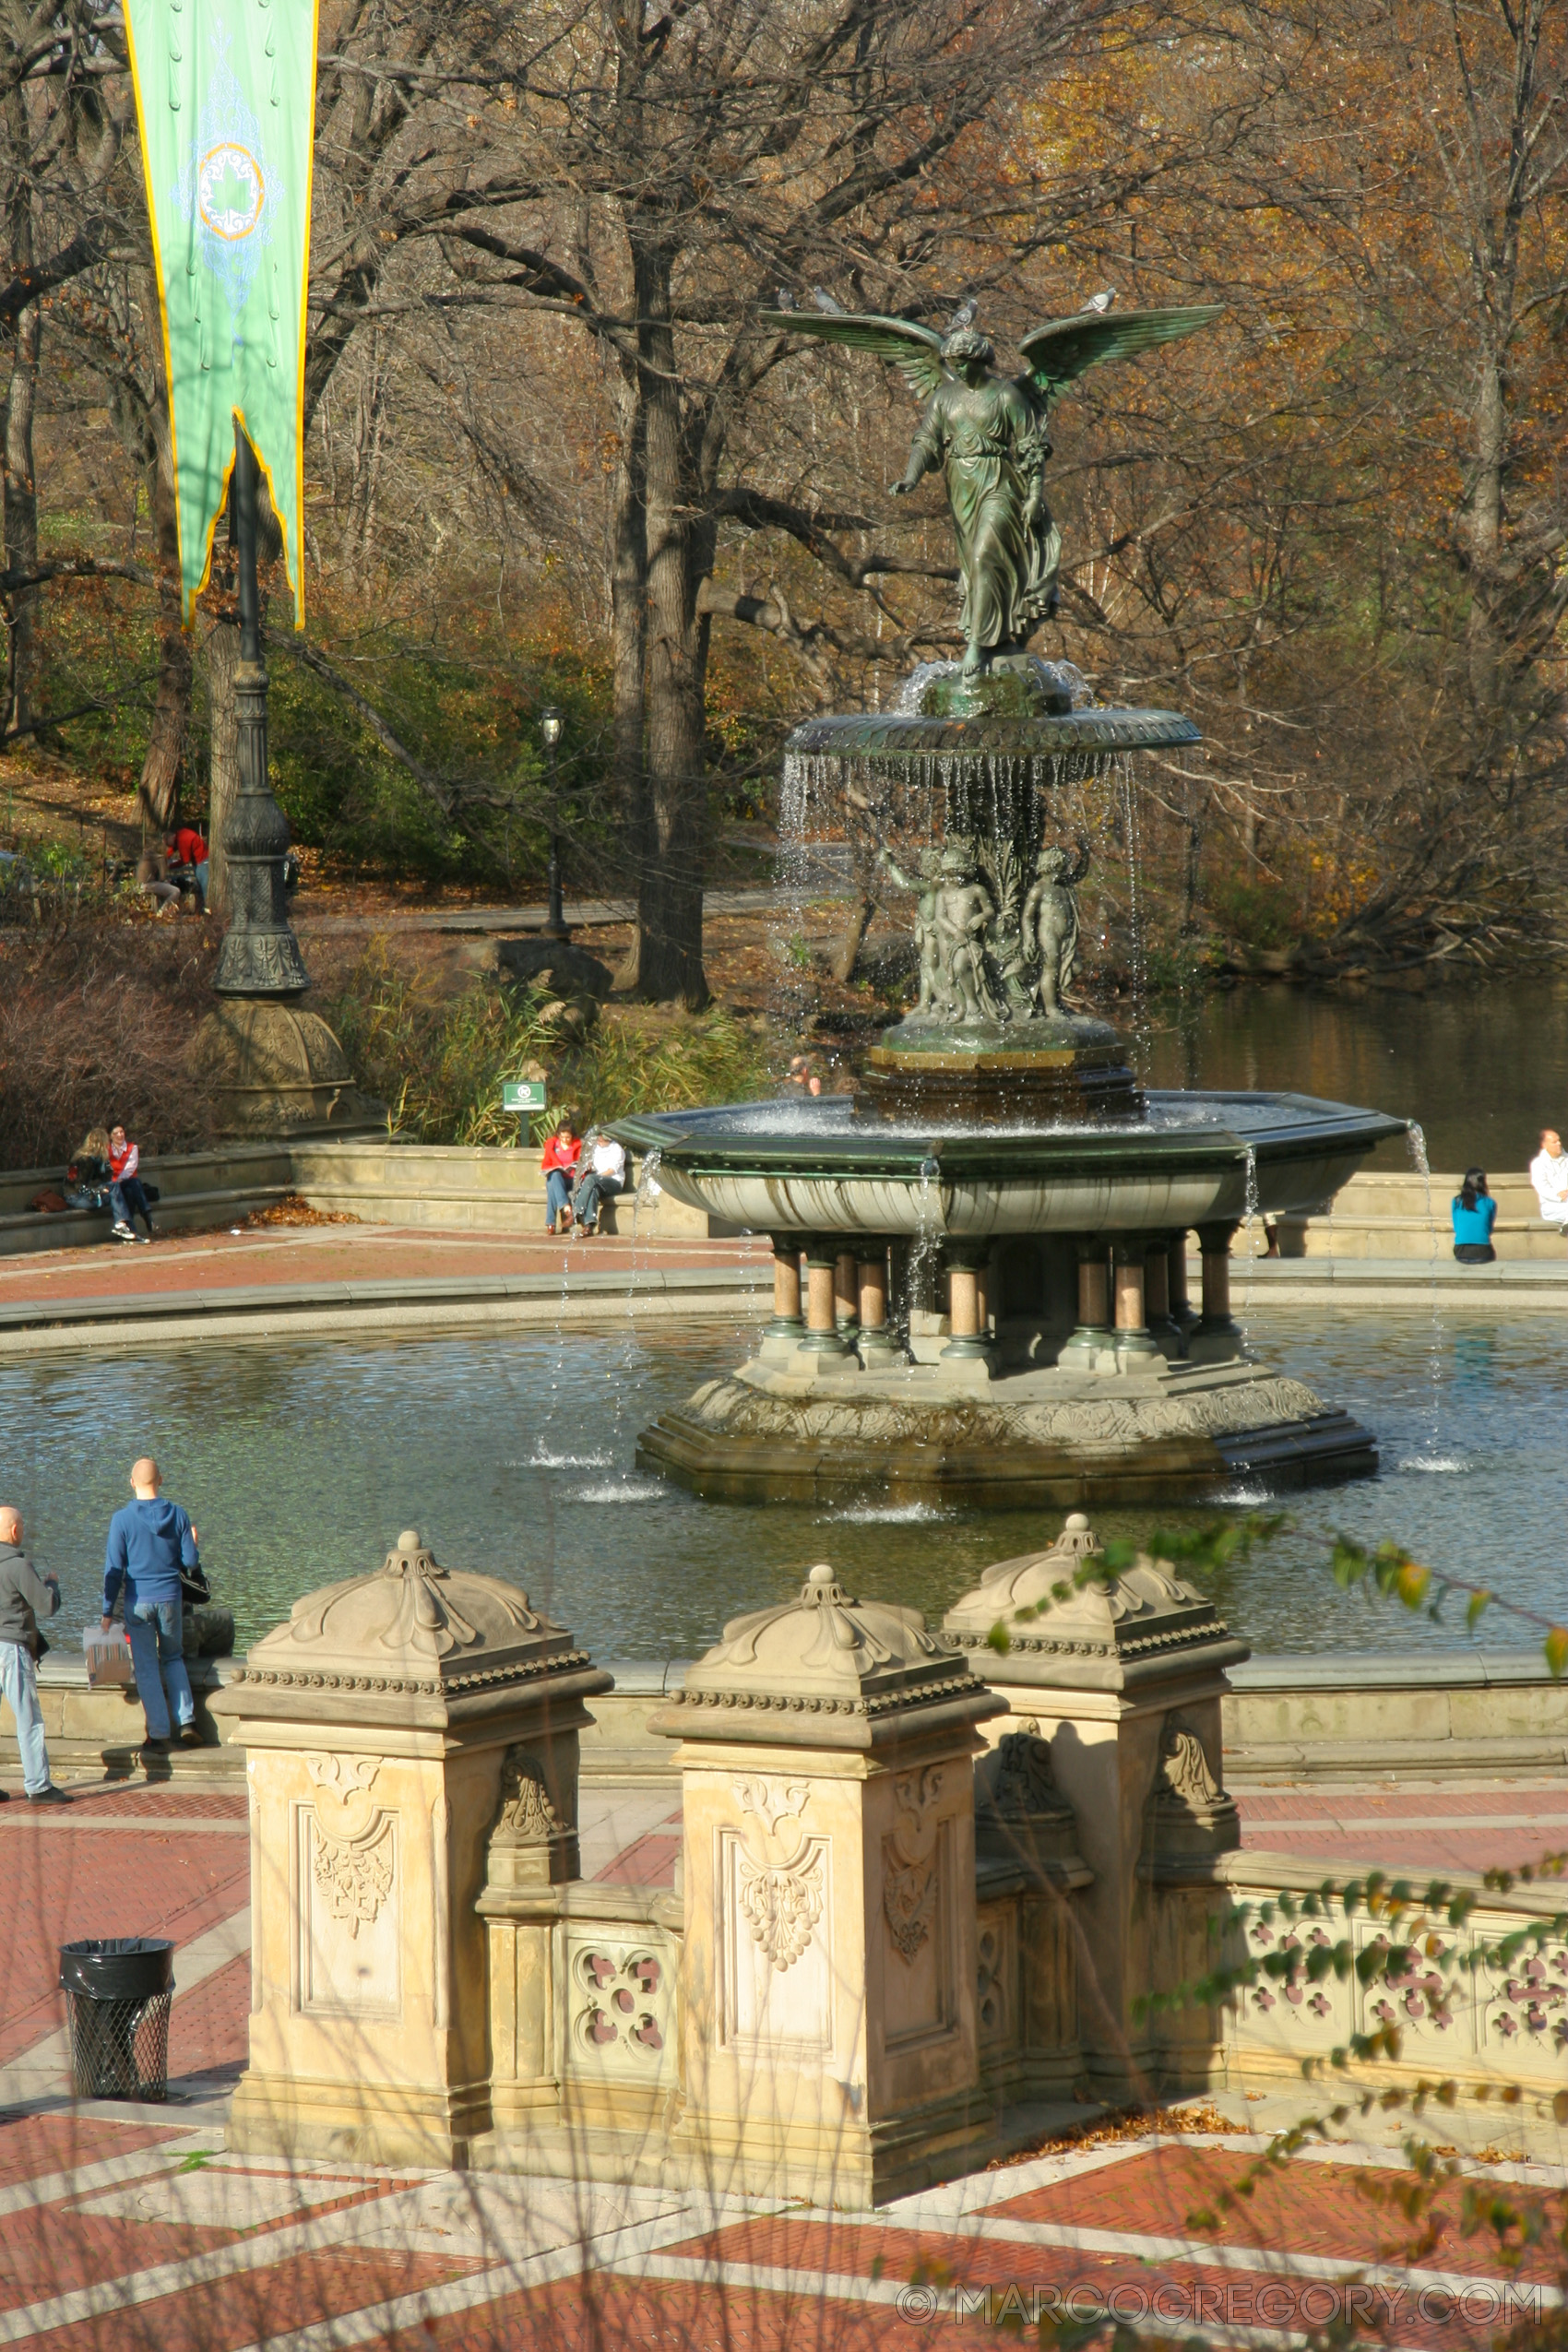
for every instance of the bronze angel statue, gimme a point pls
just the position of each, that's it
(988, 434)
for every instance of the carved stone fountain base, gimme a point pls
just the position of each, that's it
(1054, 1068)
(821, 1429)
(1040, 1073)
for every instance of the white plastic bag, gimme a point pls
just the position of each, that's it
(108, 1656)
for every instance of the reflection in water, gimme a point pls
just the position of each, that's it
(1449, 1059)
(513, 1455)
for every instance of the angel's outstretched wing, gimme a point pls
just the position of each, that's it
(915, 352)
(1054, 354)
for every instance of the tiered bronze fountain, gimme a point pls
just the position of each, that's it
(1000, 1176)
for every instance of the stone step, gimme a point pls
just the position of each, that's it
(486, 1189)
(1383, 1216)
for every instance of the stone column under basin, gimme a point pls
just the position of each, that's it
(383, 1727)
(830, 1984)
(1124, 1677)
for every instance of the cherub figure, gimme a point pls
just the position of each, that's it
(964, 910)
(925, 891)
(1049, 925)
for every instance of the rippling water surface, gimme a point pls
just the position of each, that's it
(514, 1454)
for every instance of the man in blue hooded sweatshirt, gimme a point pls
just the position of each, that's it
(147, 1541)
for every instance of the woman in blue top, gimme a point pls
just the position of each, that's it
(1475, 1213)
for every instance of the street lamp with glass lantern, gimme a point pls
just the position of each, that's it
(550, 727)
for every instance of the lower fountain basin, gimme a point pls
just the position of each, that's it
(810, 1166)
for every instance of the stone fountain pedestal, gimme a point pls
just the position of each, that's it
(1063, 1372)
(951, 1434)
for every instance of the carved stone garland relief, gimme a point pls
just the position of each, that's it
(780, 1886)
(352, 1849)
(526, 1816)
(909, 1861)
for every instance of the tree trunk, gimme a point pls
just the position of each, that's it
(222, 654)
(629, 636)
(22, 519)
(158, 794)
(1483, 536)
(670, 883)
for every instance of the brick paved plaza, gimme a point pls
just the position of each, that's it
(129, 2226)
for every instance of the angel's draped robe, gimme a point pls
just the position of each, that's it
(990, 441)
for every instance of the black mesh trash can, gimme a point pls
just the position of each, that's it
(118, 1991)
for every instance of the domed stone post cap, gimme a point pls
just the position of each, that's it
(1047, 1624)
(411, 1642)
(825, 1671)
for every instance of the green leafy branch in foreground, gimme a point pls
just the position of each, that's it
(1397, 1575)
(1412, 1939)
(1387, 1569)
(1416, 1955)
(1213, 1547)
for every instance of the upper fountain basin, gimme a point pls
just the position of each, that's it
(896, 734)
(805, 1165)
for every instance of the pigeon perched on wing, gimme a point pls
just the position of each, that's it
(1102, 300)
(963, 316)
(825, 304)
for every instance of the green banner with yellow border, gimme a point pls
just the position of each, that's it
(226, 99)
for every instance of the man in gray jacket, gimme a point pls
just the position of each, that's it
(25, 1597)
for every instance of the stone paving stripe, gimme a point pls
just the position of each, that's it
(162, 1824)
(1346, 1852)
(320, 2235)
(124, 1801)
(82, 2179)
(860, 2242)
(65, 2145)
(524, 2276)
(264, 2301)
(1353, 1824)
(1332, 2214)
(621, 2316)
(1221, 2309)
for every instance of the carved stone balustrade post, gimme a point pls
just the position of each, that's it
(395, 1728)
(829, 1974)
(1123, 1676)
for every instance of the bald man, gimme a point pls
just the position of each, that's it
(25, 1597)
(148, 1539)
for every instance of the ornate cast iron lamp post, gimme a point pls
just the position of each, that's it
(275, 1068)
(549, 724)
(260, 956)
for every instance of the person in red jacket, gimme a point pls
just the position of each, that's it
(558, 1164)
(187, 848)
(126, 1198)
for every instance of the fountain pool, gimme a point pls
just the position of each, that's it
(514, 1454)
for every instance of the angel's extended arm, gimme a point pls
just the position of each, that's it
(927, 450)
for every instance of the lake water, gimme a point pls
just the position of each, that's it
(513, 1455)
(1482, 1069)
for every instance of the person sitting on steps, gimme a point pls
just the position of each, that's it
(558, 1165)
(127, 1196)
(149, 1540)
(606, 1177)
(1474, 1213)
(1548, 1174)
